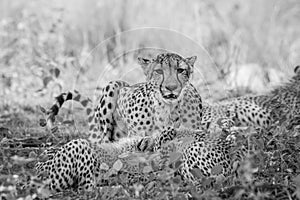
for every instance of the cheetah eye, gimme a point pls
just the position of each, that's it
(180, 70)
(159, 71)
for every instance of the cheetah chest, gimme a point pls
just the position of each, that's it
(143, 112)
(134, 108)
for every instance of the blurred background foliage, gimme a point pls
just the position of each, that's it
(47, 47)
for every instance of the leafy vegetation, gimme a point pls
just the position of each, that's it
(270, 171)
(47, 48)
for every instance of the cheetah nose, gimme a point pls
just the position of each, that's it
(171, 87)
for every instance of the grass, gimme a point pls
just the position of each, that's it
(270, 171)
(51, 47)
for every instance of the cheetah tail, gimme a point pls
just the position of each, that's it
(60, 100)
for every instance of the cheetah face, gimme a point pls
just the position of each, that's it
(169, 73)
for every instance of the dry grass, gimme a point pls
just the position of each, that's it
(47, 47)
(94, 42)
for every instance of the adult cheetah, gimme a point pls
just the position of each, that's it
(167, 98)
(280, 104)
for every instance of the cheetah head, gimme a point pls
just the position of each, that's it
(169, 73)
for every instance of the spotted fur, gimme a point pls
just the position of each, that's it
(281, 104)
(166, 98)
(82, 166)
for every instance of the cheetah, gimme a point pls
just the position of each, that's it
(199, 150)
(280, 104)
(166, 98)
(244, 111)
(80, 165)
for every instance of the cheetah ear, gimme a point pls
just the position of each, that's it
(297, 69)
(144, 63)
(191, 60)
